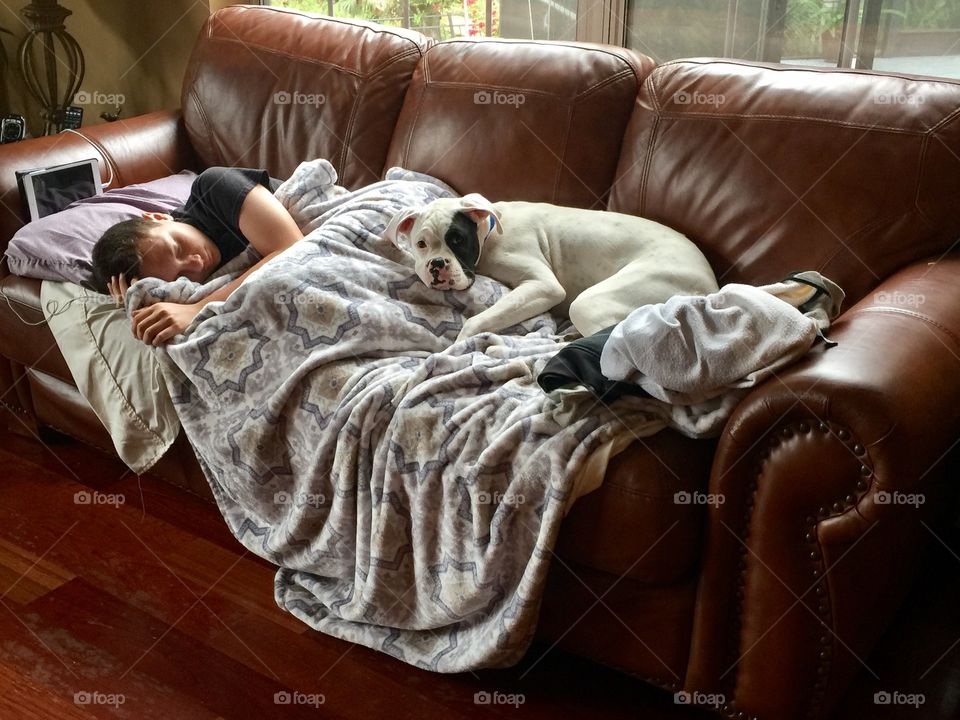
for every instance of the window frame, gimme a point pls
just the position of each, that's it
(605, 21)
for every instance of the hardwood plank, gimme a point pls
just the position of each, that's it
(41, 655)
(24, 699)
(24, 575)
(179, 508)
(125, 538)
(168, 655)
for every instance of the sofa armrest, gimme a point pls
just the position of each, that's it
(142, 148)
(831, 475)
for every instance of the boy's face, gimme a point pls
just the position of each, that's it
(173, 249)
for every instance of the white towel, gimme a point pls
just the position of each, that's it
(691, 349)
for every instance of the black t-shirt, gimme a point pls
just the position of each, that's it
(214, 206)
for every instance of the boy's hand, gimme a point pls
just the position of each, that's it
(159, 322)
(118, 288)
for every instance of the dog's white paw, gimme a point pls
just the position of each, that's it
(469, 330)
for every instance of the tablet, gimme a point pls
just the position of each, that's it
(49, 190)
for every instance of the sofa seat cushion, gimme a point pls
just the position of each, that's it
(645, 521)
(24, 335)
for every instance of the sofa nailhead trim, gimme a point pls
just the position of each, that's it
(823, 606)
(16, 410)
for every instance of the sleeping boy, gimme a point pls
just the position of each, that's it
(228, 209)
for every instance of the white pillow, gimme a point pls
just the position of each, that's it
(117, 374)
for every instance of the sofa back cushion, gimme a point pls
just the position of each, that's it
(269, 88)
(772, 168)
(518, 120)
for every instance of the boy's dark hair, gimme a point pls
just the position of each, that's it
(116, 251)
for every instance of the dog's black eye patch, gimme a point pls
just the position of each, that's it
(461, 238)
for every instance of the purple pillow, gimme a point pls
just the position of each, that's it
(60, 246)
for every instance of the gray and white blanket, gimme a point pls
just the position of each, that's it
(410, 489)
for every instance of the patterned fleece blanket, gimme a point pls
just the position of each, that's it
(410, 489)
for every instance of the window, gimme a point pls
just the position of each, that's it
(916, 36)
(443, 19)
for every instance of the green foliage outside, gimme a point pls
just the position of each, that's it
(932, 14)
(808, 21)
(439, 18)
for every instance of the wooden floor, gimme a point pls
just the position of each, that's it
(148, 608)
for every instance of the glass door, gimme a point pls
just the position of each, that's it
(916, 36)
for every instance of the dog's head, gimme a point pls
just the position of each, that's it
(445, 238)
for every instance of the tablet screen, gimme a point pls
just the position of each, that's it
(50, 190)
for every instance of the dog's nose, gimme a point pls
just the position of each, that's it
(439, 271)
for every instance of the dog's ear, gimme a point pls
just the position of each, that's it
(398, 229)
(480, 210)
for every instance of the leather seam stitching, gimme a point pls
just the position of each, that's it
(351, 125)
(416, 123)
(651, 144)
(300, 59)
(852, 238)
(561, 164)
(797, 68)
(208, 128)
(791, 118)
(911, 313)
(441, 84)
(393, 61)
(600, 84)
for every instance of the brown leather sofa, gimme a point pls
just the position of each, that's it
(774, 598)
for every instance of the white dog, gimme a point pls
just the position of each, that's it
(594, 266)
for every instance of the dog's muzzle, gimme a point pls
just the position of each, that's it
(439, 269)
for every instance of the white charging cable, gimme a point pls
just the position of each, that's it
(57, 309)
(99, 151)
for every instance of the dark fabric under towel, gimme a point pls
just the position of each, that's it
(579, 364)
